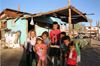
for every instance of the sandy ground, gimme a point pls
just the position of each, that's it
(90, 56)
(16, 57)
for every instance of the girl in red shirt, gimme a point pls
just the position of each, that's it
(40, 49)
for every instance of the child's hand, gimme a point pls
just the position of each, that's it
(36, 48)
(65, 55)
(53, 37)
(43, 54)
(56, 41)
(73, 58)
(28, 53)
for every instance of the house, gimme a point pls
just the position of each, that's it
(94, 30)
(11, 19)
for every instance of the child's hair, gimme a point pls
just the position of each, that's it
(32, 30)
(72, 43)
(66, 38)
(55, 23)
(39, 38)
(63, 33)
(45, 32)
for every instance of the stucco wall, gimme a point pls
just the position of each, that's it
(20, 25)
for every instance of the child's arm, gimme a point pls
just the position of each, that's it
(73, 58)
(65, 55)
(77, 49)
(27, 48)
(35, 49)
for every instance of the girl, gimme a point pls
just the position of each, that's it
(46, 42)
(67, 41)
(40, 49)
(30, 47)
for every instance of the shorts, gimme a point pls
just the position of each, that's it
(54, 51)
(79, 58)
(43, 58)
(70, 65)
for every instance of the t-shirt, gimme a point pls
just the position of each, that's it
(77, 49)
(46, 41)
(31, 43)
(40, 50)
(62, 45)
(74, 55)
(54, 33)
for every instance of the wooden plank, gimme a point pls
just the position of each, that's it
(90, 32)
(35, 26)
(73, 30)
(77, 11)
(26, 29)
(69, 20)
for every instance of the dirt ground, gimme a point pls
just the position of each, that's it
(90, 56)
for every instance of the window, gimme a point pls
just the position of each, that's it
(13, 24)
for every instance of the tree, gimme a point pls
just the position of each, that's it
(79, 27)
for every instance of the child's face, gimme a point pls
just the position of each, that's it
(39, 41)
(44, 36)
(55, 26)
(72, 48)
(61, 36)
(66, 42)
(32, 34)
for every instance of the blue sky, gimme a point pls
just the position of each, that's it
(36, 6)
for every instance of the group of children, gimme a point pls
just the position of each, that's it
(57, 43)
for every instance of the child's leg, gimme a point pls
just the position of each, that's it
(76, 64)
(53, 59)
(42, 62)
(45, 61)
(39, 62)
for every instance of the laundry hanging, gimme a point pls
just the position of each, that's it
(32, 22)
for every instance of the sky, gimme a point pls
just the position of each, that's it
(36, 6)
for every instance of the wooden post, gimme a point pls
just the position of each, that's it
(73, 30)
(69, 19)
(98, 28)
(68, 2)
(90, 32)
(19, 7)
(26, 29)
(35, 26)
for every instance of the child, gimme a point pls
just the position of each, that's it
(30, 46)
(40, 49)
(54, 36)
(45, 38)
(62, 34)
(46, 42)
(71, 55)
(67, 41)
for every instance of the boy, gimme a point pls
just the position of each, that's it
(54, 36)
(62, 34)
(67, 41)
(71, 55)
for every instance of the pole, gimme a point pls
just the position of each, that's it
(69, 19)
(68, 2)
(90, 32)
(19, 7)
(73, 30)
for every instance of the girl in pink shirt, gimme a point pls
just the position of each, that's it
(40, 49)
